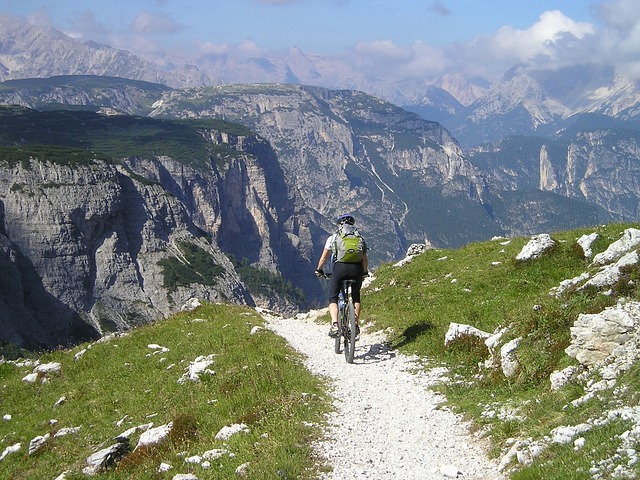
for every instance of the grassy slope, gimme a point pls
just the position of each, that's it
(258, 381)
(481, 284)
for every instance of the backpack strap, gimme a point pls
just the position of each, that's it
(334, 245)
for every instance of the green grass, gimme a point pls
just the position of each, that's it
(195, 266)
(482, 284)
(258, 381)
(77, 137)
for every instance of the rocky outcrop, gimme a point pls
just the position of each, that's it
(348, 151)
(599, 167)
(245, 204)
(595, 336)
(89, 249)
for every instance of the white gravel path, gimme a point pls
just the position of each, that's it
(387, 424)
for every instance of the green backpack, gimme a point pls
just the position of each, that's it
(349, 246)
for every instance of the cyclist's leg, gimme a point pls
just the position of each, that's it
(355, 289)
(355, 273)
(333, 311)
(334, 291)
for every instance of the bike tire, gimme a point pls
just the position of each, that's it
(350, 334)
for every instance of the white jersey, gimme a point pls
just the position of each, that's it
(328, 245)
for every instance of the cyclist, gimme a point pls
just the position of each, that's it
(343, 271)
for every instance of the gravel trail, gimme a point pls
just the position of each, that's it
(387, 424)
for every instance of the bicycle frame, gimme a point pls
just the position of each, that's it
(346, 322)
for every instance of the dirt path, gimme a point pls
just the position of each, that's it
(387, 424)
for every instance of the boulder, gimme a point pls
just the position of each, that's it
(459, 330)
(595, 336)
(537, 245)
(630, 239)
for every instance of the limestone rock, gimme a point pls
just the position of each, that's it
(630, 239)
(508, 360)
(537, 245)
(595, 336)
(458, 330)
(107, 457)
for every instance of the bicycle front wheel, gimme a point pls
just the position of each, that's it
(350, 334)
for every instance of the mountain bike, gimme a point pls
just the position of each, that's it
(346, 322)
(347, 327)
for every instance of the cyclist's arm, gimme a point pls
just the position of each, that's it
(365, 263)
(323, 258)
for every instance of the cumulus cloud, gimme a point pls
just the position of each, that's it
(539, 39)
(384, 50)
(620, 15)
(554, 39)
(620, 38)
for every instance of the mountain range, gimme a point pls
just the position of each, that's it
(475, 110)
(251, 175)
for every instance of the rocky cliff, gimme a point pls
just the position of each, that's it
(245, 204)
(92, 244)
(268, 199)
(84, 248)
(599, 167)
(348, 151)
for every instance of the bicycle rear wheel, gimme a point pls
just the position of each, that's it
(350, 333)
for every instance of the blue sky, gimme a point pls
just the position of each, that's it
(321, 26)
(418, 37)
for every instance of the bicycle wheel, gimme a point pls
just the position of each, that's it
(350, 334)
(338, 339)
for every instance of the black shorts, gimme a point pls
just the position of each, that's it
(346, 271)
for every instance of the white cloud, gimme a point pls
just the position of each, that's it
(384, 50)
(384, 58)
(40, 17)
(250, 48)
(542, 39)
(155, 24)
(619, 15)
(554, 39)
(620, 37)
(212, 49)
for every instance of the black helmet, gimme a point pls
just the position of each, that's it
(346, 218)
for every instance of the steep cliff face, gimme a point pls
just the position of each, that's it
(244, 202)
(603, 167)
(347, 151)
(599, 167)
(91, 249)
